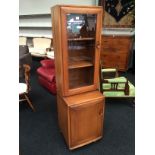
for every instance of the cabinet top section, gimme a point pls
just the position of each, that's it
(83, 98)
(78, 6)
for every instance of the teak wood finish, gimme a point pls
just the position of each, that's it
(116, 51)
(81, 118)
(80, 105)
(61, 47)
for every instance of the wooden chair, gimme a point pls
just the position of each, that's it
(113, 86)
(24, 87)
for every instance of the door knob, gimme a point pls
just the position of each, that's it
(98, 45)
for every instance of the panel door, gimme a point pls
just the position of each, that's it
(81, 34)
(86, 123)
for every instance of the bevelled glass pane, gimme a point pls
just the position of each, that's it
(81, 33)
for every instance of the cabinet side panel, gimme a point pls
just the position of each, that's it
(98, 47)
(63, 117)
(56, 29)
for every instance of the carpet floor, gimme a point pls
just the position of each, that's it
(40, 135)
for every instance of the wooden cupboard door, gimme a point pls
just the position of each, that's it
(86, 122)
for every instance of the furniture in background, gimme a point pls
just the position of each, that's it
(118, 33)
(50, 54)
(24, 58)
(76, 42)
(46, 75)
(22, 41)
(24, 87)
(111, 85)
(41, 48)
(116, 50)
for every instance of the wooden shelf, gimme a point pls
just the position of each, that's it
(73, 86)
(79, 64)
(80, 39)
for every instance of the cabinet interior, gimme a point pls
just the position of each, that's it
(79, 77)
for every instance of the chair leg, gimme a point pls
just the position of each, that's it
(29, 102)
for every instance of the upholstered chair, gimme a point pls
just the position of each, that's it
(40, 47)
(46, 75)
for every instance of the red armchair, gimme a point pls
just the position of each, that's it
(47, 75)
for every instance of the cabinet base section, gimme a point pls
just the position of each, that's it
(86, 143)
(81, 118)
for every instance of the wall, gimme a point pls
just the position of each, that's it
(43, 6)
(35, 17)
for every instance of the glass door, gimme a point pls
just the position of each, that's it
(81, 35)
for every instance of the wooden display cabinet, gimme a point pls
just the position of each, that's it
(76, 41)
(81, 118)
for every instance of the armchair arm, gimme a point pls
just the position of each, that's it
(48, 63)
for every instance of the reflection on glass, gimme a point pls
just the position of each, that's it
(81, 25)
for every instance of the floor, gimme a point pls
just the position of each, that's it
(40, 134)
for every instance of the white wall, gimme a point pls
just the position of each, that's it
(35, 17)
(43, 6)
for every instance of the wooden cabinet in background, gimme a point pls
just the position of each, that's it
(77, 44)
(116, 51)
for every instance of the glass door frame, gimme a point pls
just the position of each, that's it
(80, 10)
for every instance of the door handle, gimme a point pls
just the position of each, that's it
(101, 112)
(98, 45)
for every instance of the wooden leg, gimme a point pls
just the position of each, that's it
(29, 102)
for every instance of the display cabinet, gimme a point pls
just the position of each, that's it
(77, 45)
(77, 40)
